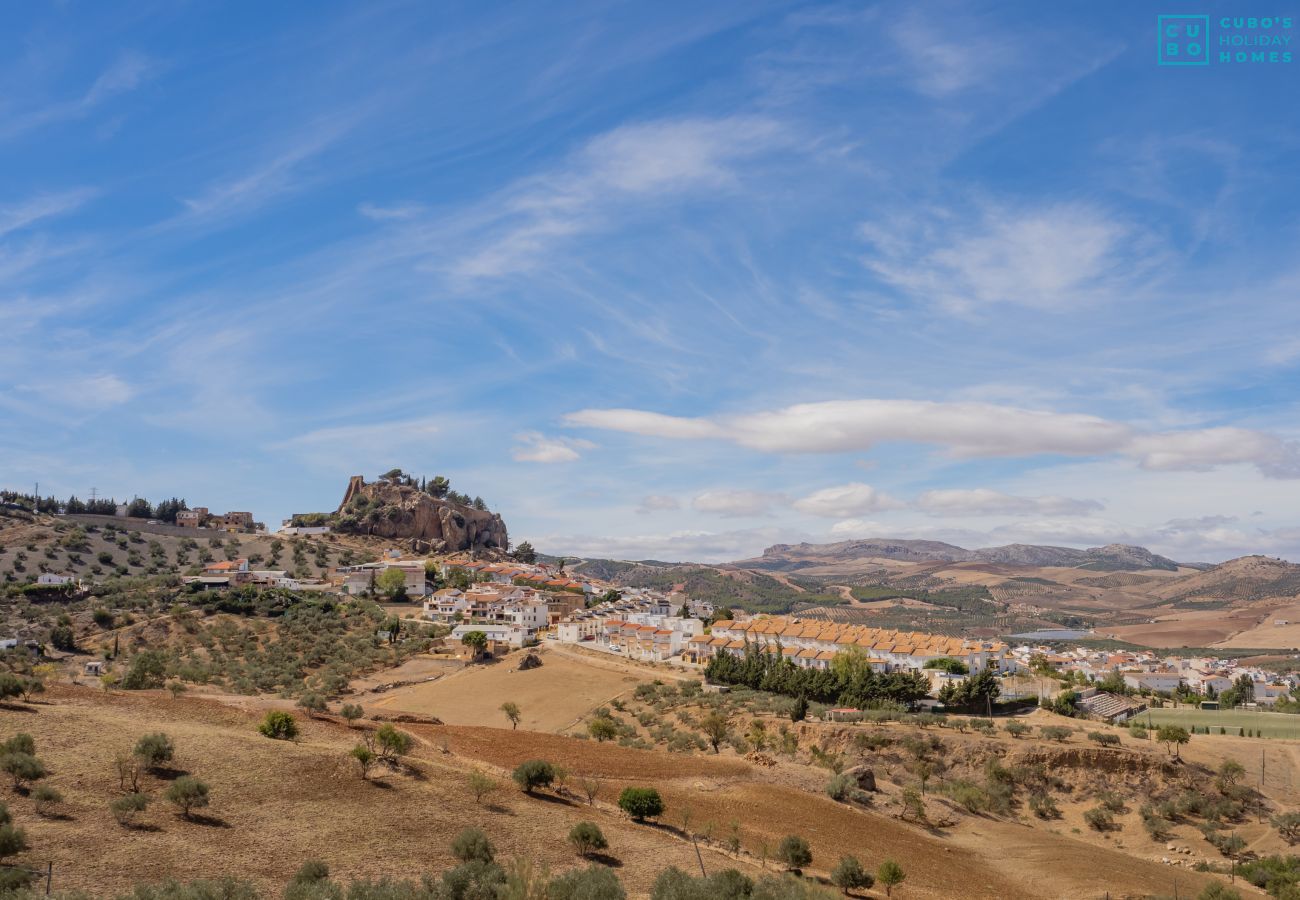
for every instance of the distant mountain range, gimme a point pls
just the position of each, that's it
(1110, 558)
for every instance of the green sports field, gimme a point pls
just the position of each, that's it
(1273, 725)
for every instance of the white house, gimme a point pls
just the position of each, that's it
(1162, 681)
(498, 632)
(54, 578)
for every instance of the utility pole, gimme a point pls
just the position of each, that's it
(1261, 784)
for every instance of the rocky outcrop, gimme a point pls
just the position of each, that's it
(404, 512)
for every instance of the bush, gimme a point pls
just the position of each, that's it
(279, 725)
(587, 838)
(154, 749)
(126, 808)
(365, 758)
(533, 774)
(46, 799)
(794, 852)
(13, 840)
(22, 742)
(1099, 819)
(593, 883)
(472, 845)
(843, 788)
(602, 728)
(311, 703)
(23, 768)
(1106, 739)
(480, 785)
(1058, 733)
(188, 794)
(392, 742)
(1016, 728)
(848, 875)
(890, 874)
(641, 803)
(1043, 806)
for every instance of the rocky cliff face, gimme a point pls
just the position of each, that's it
(431, 525)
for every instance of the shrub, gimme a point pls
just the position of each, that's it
(1099, 819)
(188, 794)
(480, 785)
(13, 840)
(22, 742)
(1043, 806)
(127, 807)
(365, 758)
(1058, 733)
(1105, 738)
(1288, 825)
(351, 712)
(848, 875)
(1016, 728)
(311, 703)
(890, 874)
(842, 788)
(23, 768)
(46, 799)
(603, 728)
(641, 803)
(533, 774)
(794, 852)
(587, 838)
(279, 725)
(472, 845)
(154, 749)
(392, 742)
(592, 883)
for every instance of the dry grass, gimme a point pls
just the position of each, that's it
(551, 698)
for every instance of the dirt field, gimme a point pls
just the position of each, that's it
(551, 698)
(1191, 628)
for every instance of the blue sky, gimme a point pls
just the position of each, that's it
(658, 280)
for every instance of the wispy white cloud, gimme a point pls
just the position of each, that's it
(268, 178)
(16, 216)
(736, 503)
(845, 500)
(1059, 256)
(641, 163)
(533, 446)
(125, 74)
(962, 430)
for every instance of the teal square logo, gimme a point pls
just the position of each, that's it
(1183, 40)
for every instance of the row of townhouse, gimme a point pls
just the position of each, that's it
(648, 636)
(582, 624)
(814, 643)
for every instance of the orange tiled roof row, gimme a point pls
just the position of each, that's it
(776, 628)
